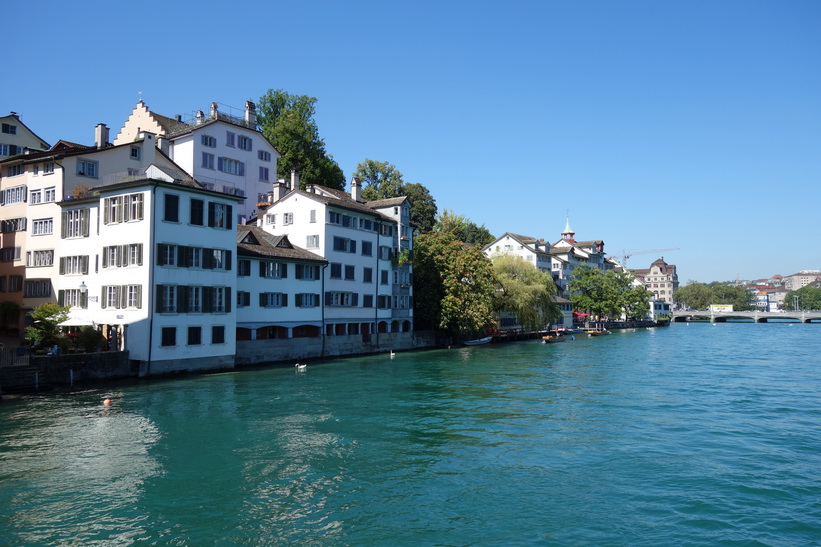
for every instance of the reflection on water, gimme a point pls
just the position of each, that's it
(685, 435)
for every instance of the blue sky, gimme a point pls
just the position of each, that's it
(656, 124)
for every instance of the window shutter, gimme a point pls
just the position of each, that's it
(227, 299)
(61, 297)
(139, 297)
(328, 298)
(228, 215)
(241, 168)
(207, 299)
(140, 253)
(284, 270)
(160, 294)
(84, 221)
(355, 299)
(208, 259)
(123, 296)
(103, 299)
(261, 268)
(211, 207)
(182, 256)
(105, 257)
(84, 264)
(262, 300)
(63, 217)
(123, 258)
(62, 266)
(106, 208)
(84, 300)
(227, 260)
(140, 207)
(25, 194)
(353, 246)
(183, 299)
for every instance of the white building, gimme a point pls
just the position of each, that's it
(661, 279)
(16, 138)
(367, 285)
(222, 151)
(151, 262)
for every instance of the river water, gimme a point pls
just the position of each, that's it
(687, 435)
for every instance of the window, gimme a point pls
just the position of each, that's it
(367, 275)
(244, 267)
(36, 259)
(231, 166)
(74, 265)
(230, 139)
(194, 336)
(207, 160)
(15, 283)
(87, 168)
(209, 141)
(217, 259)
(10, 254)
(123, 208)
(383, 279)
(287, 219)
(312, 242)
(217, 334)
(134, 254)
(367, 248)
(245, 143)
(169, 336)
(307, 300)
(72, 297)
(166, 254)
(37, 288)
(112, 256)
(385, 253)
(166, 298)
(172, 208)
(367, 300)
(219, 215)
(197, 212)
(346, 299)
(243, 299)
(16, 194)
(133, 207)
(273, 269)
(15, 170)
(271, 219)
(36, 197)
(13, 225)
(194, 300)
(133, 296)
(111, 296)
(10, 150)
(135, 152)
(307, 271)
(42, 226)
(313, 215)
(263, 155)
(336, 270)
(9, 129)
(48, 168)
(344, 245)
(365, 224)
(263, 174)
(189, 257)
(350, 273)
(273, 299)
(50, 194)
(219, 299)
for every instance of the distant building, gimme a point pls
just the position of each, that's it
(16, 138)
(801, 279)
(660, 279)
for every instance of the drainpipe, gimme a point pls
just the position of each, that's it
(376, 282)
(322, 297)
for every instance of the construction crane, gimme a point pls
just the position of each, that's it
(625, 256)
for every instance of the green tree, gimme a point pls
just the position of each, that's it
(288, 122)
(463, 229)
(382, 180)
(694, 295)
(724, 293)
(636, 302)
(45, 329)
(525, 291)
(596, 292)
(809, 298)
(453, 283)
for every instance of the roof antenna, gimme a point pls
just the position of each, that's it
(141, 95)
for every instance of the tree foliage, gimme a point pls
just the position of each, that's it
(463, 229)
(288, 122)
(382, 180)
(525, 291)
(454, 284)
(699, 296)
(45, 329)
(607, 294)
(809, 298)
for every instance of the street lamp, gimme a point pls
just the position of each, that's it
(83, 288)
(83, 294)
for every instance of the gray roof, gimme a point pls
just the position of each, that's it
(257, 243)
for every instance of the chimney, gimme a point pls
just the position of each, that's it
(280, 189)
(214, 111)
(251, 114)
(101, 135)
(294, 180)
(356, 189)
(200, 116)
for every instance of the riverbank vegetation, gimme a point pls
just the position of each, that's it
(608, 294)
(699, 296)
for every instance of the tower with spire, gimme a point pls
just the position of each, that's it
(568, 234)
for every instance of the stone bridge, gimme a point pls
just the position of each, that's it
(755, 316)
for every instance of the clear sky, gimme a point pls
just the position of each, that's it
(656, 124)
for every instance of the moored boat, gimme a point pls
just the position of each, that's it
(478, 341)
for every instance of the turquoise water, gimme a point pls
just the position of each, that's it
(689, 435)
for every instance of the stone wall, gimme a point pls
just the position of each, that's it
(79, 367)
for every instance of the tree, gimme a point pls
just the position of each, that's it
(636, 302)
(382, 180)
(288, 122)
(525, 291)
(596, 292)
(463, 229)
(694, 295)
(45, 330)
(809, 298)
(453, 283)
(740, 298)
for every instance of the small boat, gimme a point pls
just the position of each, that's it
(597, 332)
(574, 330)
(478, 341)
(553, 337)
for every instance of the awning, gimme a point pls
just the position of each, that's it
(577, 314)
(76, 321)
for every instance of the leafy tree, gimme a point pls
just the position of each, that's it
(382, 180)
(636, 302)
(740, 298)
(525, 291)
(463, 229)
(454, 284)
(694, 295)
(45, 330)
(809, 298)
(597, 292)
(288, 122)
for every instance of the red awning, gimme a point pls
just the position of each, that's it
(577, 314)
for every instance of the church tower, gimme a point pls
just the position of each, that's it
(568, 233)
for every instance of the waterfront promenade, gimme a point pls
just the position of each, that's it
(755, 316)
